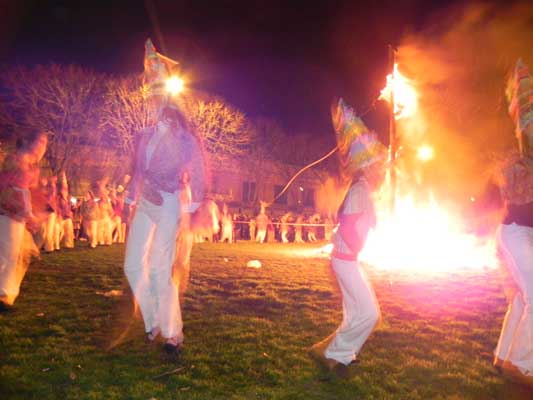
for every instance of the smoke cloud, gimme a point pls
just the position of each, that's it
(460, 64)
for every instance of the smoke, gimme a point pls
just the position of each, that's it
(460, 65)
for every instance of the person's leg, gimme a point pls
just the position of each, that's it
(93, 232)
(122, 237)
(515, 343)
(50, 232)
(68, 233)
(58, 232)
(160, 261)
(136, 268)
(360, 312)
(12, 233)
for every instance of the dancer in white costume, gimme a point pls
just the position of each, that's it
(64, 209)
(165, 153)
(226, 222)
(284, 226)
(19, 172)
(514, 352)
(361, 156)
(261, 223)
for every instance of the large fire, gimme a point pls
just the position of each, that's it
(405, 96)
(420, 236)
(425, 238)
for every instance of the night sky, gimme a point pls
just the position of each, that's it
(281, 59)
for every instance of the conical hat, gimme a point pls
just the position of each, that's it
(520, 94)
(358, 146)
(157, 68)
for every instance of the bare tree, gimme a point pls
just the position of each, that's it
(64, 100)
(224, 129)
(126, 111)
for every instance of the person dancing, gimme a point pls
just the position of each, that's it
(514, 352)
(166, 152)
(361, 158)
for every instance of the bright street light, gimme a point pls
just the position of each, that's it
(174, 85)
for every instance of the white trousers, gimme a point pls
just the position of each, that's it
(150, 254)
(360, 311)
(105, 231)
(90, 226)
(11, 236)
(284, 237)
(261, 235)
(52, 233)
(516, 339)
(67, 229)
(227, 233)
(119, 229)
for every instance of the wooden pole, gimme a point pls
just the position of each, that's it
(392, 134)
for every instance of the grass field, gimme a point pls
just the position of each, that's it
(247, 332)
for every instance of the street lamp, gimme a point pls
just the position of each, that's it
(174, 85)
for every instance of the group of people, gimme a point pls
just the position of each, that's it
(166, 196)
(289, 227)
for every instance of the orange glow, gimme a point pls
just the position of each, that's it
(425, 238)
(425, 153)
(405, 96)
(174, 85)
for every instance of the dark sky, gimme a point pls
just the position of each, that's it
(281, 59)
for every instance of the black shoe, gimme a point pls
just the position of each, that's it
(173, 350)
(4, 307)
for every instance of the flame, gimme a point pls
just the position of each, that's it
(405, 96)
(425, 238)
(425, 153)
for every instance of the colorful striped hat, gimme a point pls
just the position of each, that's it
(520, 96)
(157, 68)
(358, 146)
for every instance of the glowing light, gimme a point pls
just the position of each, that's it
(174, 85)
(425, 238)
(405, 96)
(425, 153)
(73, 201)
(327, 249)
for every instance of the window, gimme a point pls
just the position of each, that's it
(248, 192)
(282, 199)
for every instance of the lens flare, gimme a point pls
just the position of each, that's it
(425, 153)
(174, 85)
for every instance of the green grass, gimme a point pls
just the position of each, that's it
(247, 332)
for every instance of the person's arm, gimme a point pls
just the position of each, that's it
(197, 172)
(134, 184)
